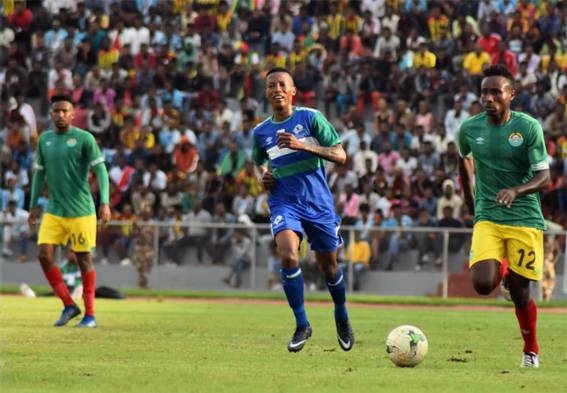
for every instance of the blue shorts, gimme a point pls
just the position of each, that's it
(322, 235)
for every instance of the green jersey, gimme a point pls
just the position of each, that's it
(504, 157)
(71, 274)
(66, 159)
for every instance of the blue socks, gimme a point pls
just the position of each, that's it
(337, 290)
(292, 281)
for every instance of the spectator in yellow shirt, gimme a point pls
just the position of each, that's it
(131, 133)
(358, 253)
(107, 55)
(475, 61)
(424, 58)
(438, 24)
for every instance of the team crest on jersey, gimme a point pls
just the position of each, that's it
(515, 139)
(297, 129)
(71, 142)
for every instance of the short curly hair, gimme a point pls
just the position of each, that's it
(498, 70)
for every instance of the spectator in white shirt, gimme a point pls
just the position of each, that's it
(360, 158)
(284, 37)
(390, 19)
(58, 73)
(454, 117)
(155, 179)
(15, 227)
(532, 59)
(351, 139)
(141, 36)
(386, 41)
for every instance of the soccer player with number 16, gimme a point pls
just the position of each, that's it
(64, 157)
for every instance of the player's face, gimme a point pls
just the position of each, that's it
(496, 92)
(280, 90)
(62, 113)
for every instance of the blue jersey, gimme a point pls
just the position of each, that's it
(300, 178)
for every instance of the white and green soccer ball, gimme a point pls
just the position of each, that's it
(406, 346)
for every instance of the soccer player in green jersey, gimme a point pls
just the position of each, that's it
(505, 152)
(64, 157)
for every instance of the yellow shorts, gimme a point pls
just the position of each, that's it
(79, 231)
(522, 246)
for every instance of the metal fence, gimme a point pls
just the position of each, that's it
(260, 232)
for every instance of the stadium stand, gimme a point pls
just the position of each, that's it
(172, 89)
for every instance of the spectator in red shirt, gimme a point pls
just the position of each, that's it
(185, 156)
(488, 41)
(145, 54)
(505, 56)
(205, 22)
(22, 17)
(21, 21)
(208, 98)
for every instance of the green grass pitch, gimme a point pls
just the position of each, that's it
(168, 345)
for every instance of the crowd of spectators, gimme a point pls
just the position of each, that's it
(172, 89)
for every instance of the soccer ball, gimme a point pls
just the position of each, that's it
(406, 346)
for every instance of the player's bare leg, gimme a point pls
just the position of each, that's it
(485, 276)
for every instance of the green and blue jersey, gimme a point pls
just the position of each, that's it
(301, 180)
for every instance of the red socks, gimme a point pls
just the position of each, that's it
(89, 286)
(503, 268)
(527, 319)
(55, 279)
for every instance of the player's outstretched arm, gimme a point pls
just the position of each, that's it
(508, 195)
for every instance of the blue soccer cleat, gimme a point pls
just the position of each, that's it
(88, 321)
(69, 312)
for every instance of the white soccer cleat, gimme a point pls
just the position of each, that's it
(27, 291)
(529, 360)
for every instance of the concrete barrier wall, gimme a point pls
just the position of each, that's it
(198, 277)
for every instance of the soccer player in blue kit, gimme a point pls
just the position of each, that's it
(289, 149)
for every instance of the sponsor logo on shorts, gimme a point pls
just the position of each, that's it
(277, 220)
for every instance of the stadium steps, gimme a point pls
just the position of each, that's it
(460, 286)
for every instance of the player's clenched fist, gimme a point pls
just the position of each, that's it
(268, 180)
